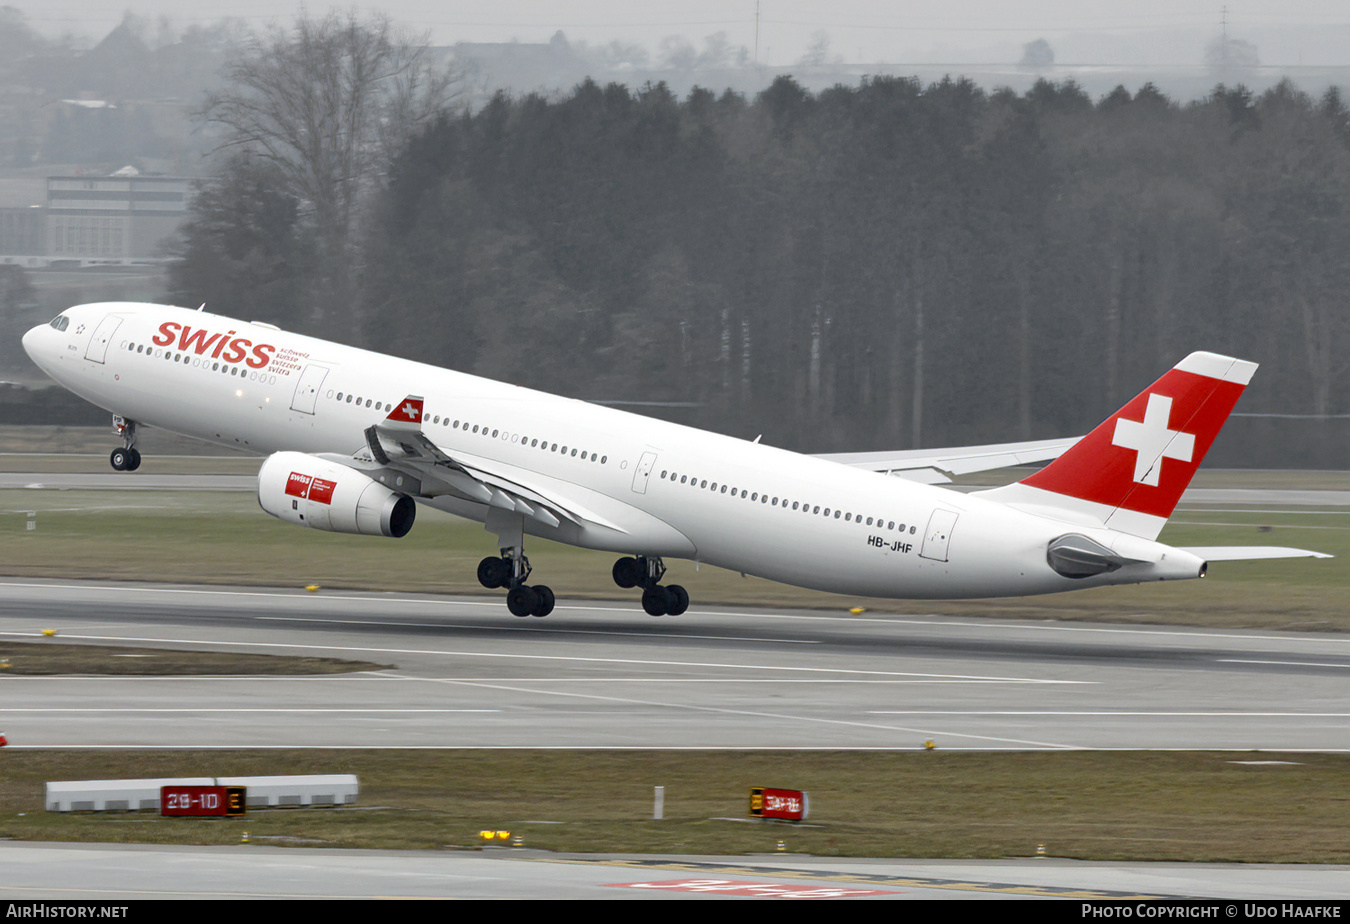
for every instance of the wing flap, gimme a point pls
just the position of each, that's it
(398, 442)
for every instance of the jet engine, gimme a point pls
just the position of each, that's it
(309, 491)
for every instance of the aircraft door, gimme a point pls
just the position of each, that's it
(938, 534)
(307, 389)
(97, 351)
(644, 470)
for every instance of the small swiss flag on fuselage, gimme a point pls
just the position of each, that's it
(1143, 456)
(407, 411)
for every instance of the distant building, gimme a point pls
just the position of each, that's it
(23, 234)
(122, 218)
(23, 220)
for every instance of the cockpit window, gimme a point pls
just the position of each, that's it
(60, 322)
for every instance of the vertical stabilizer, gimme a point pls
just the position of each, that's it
(1129, 473)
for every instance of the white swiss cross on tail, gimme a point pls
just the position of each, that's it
(1116, 474)
(1152, 441)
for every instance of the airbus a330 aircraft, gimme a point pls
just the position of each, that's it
(356, 438)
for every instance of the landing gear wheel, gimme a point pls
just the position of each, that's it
(627, 573)
(656, 600)
(522, 600)
(545, 605)
(126, 459)
(679, 600)
(494, 572)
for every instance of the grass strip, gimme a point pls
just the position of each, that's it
(1089, 805)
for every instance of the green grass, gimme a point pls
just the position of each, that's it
(88, 447)
(1204, 807)
(54, 656)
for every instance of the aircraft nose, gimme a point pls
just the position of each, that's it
(33, 342)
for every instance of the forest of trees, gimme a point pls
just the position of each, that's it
(874, 266)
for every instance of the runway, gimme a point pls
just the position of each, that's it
(463, 673)
(70, 872)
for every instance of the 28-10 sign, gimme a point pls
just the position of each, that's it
(790, 804)
(197, 801)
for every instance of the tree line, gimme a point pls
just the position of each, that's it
(883, 265)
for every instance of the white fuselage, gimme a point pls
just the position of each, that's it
(650, 487)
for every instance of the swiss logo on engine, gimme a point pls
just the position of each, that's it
(308, 488)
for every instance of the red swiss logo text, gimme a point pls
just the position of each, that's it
(225, 347)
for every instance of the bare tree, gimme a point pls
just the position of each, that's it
(329, 102)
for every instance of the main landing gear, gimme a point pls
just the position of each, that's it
(646, 572)
(127, 459)
(511, 570)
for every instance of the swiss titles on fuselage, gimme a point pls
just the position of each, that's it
(225, 347)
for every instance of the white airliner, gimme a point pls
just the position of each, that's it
(356, 438)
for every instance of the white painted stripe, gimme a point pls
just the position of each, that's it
(1282, 663)
(733, 749)
(1111, 713)
(1216, 366)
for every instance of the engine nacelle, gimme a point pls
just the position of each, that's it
(309, 491)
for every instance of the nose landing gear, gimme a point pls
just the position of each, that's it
(127, 459)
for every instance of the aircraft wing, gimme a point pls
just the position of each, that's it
(937, 466)
(399, 443)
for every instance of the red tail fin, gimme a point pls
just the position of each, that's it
(1132, 469)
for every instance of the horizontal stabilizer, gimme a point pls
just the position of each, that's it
(1249, 552)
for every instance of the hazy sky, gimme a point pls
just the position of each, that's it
(859, 30)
